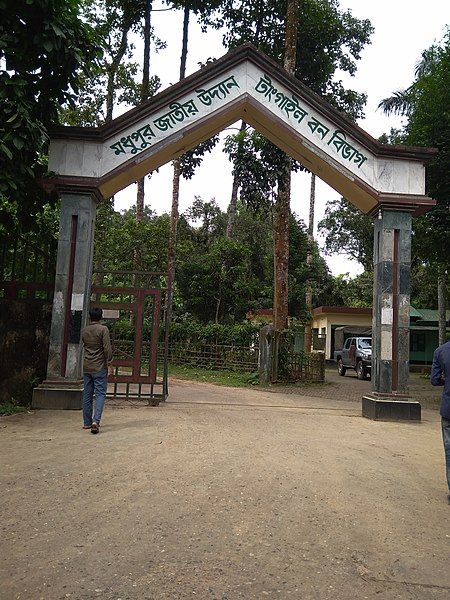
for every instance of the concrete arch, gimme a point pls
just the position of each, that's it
(247, 85)
(87, 164)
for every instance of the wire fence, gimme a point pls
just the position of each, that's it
(214, 356)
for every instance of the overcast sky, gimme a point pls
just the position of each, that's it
(403, 29)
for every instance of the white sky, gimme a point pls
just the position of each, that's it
(403, 29)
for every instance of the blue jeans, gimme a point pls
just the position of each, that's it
(94, 383)
(446, 438)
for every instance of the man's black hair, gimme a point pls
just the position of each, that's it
(95, 314)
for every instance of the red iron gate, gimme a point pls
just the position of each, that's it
(134, 314)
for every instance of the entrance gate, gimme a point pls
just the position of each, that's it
(92, 164)
(139, 362)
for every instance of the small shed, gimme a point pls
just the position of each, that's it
(424, 334)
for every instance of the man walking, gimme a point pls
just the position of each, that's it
(440, 375)
(97, 356)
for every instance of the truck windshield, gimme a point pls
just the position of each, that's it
(365, 343)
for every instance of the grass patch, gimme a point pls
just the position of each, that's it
(234, 379)
(10, 408)
(219, 377)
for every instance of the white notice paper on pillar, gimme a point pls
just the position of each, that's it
(387, 316)
(77, 302)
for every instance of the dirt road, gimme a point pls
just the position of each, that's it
(223, 494)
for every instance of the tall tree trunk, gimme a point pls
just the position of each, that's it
(308, 295)
(110, 84)
(140, 193)
(281, 248)
(112, 72)
(442, 287)
(175, 190)
(232, 208)
(173, 234)
(184, 45)
(282, 206)
(218, 306)
(290, 42)
(144, 96)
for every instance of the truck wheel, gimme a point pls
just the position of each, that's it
(341, 368)
(361, 372)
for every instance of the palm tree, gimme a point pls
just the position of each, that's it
(402, 103)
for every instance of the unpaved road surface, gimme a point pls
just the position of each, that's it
(223, 494)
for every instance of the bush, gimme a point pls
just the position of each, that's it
(240, 334)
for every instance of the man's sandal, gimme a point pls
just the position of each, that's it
(94, 427)
(87, 426)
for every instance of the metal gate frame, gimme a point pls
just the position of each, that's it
(136, 385)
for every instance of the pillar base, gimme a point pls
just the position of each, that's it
(58, 395)
(387, 408)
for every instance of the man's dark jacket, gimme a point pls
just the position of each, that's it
(440, 375)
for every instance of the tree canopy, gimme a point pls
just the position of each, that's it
(74, 60)
(329, 40)
(429, 124)
(348, 231)
(217, 279)
(425, 103)
(44, 47)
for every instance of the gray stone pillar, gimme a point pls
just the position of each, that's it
(63, 386)
(391, 293)
(390, 321)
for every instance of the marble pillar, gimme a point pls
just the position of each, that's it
(63, 386)
(391, 295)
(390, 321)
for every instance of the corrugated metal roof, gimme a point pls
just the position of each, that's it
(427, 314)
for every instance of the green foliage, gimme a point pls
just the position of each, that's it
(216, 279)
(329, 40)
(117, 236)
(429, 125)
(239, 334)
(44, 46)
(217, 377)
(193, 158)
(348, 231)
(9, 220)
(424, 277)
(186, 329)
(257, 164)
(10, 408)
(426, 104)
(114, 79)
(198, 7)
(217, 284)
(208, 218)
(355, 292)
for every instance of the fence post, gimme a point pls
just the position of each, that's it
(266, 353)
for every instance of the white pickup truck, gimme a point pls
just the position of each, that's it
(356, 354)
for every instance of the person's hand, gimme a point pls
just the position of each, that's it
(110, 370)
